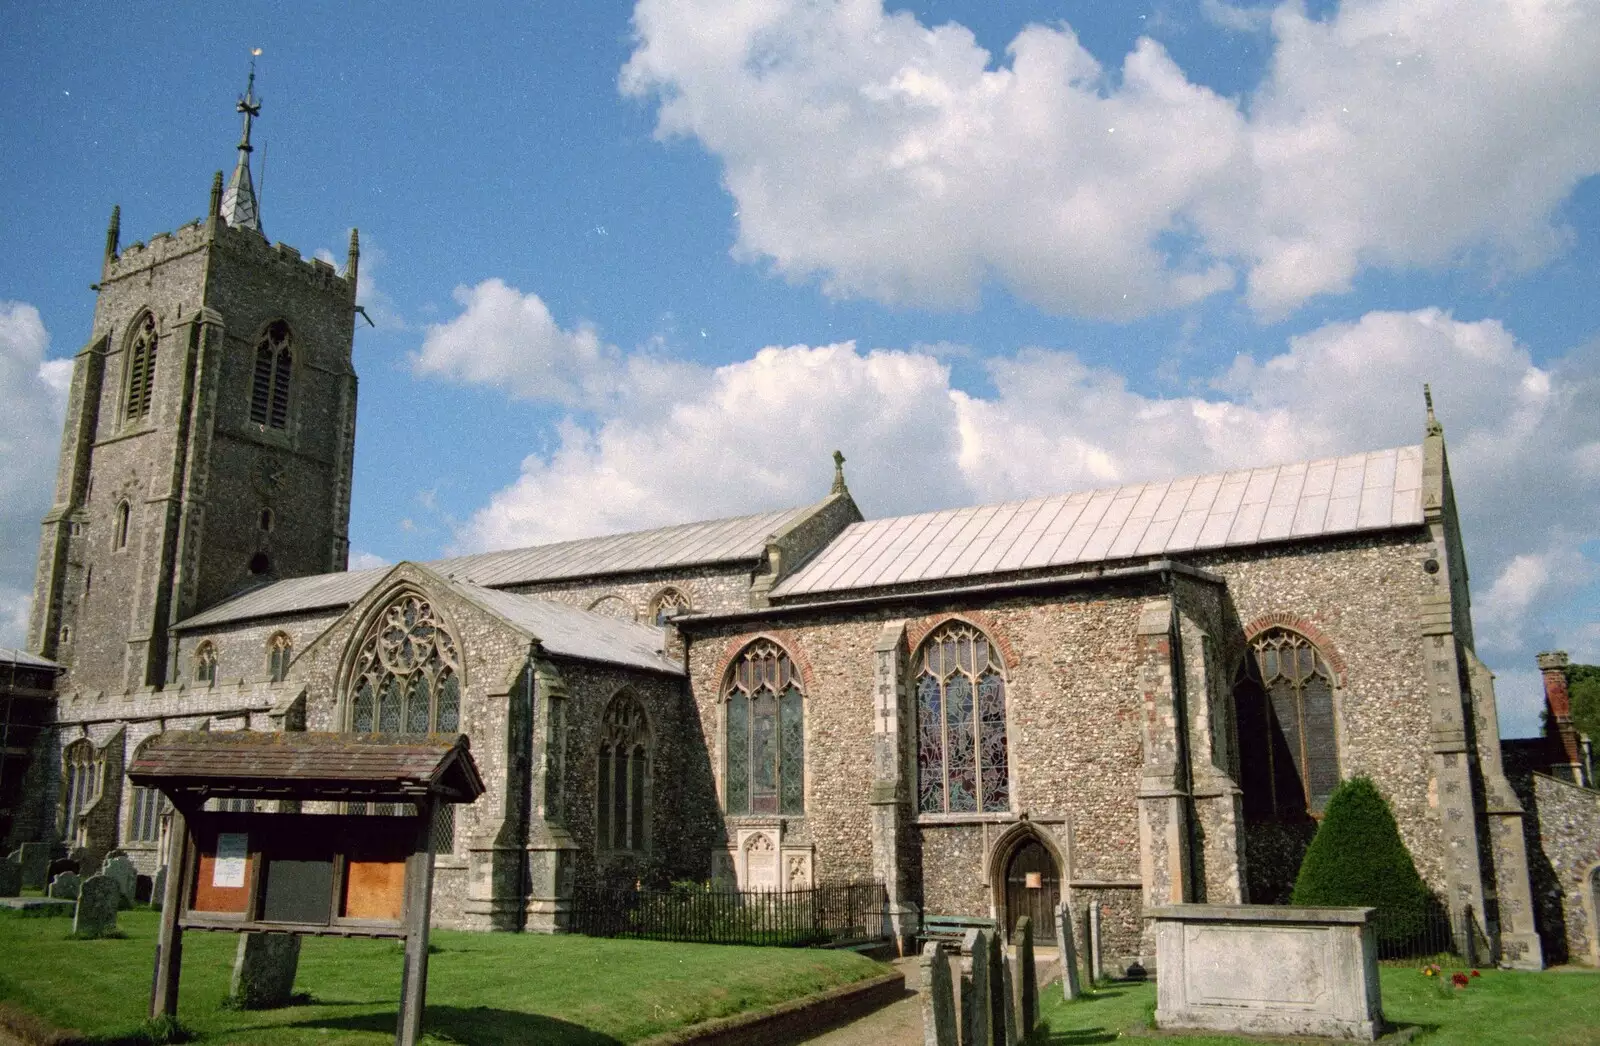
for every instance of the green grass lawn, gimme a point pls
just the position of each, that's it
(483, 989)
(1500, 1008)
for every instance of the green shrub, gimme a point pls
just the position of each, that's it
(1357, 858)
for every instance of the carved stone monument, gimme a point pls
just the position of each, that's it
(938, 1002)
(98, 900)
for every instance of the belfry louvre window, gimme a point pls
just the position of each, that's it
(407, 677)
(1288, 750)
(269, 392)
(141, 369)
(764, 708)
(622, 776)
(961, 724)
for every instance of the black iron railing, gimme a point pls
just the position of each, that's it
(1413, 935)
(846, 913)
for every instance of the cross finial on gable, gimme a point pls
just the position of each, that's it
(838, 474)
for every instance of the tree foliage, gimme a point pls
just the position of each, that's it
(1583, 689)
(1358, 858)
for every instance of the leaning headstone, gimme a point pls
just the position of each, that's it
(263, 970)
(1000, 1014)
(1027, 979)
(1068, 950)
(938, 1004)
(1096, 973)
(98, 901)
(35, 858)
(158, 888)
(121, 871)
(65, 887)
(10, 878)
(976, 1019)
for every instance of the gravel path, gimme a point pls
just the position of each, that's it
(897, 1024)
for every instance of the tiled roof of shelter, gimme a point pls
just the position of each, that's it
(1370, 491)
(295, 761)
(573, 632)
(23, 659)
(685, 545)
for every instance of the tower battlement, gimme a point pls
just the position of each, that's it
(245, 244)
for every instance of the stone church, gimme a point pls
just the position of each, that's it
(1125, 697)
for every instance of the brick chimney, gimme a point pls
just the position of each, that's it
(1566, 761)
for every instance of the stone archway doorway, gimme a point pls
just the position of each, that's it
(1032, 887)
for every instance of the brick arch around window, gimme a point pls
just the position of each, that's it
(1287, 713)
(1298, 623)
(982, 620)
(783, 637)
(762, 700)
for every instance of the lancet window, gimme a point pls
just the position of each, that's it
(961, 724)
(205, 663)
(764, 716)
(141, 369)
(407, 677)
(119, 530)
(280, 650)
(81, 768)
(1288, 750)
(269, 392)
(623, 776)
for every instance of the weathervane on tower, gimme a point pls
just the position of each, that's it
(240, 209)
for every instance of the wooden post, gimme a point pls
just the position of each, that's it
(419, 902)
(169, 943)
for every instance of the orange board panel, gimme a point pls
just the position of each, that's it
(374, 890)
(208, 897)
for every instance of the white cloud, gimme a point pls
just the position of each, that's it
(32, 399)
(1235, 19)
(366, 560)
(900, 162)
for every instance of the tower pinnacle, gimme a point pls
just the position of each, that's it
(239, 206)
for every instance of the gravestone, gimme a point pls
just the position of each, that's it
(1003, 1024)
(158, 888)
(88, 860)
(121, 871)
(938, 1002)
(263, 970)
(141, 890)
(1096, 973)
(1068, 949)
(65, 886)
(976, 1019)
(1027, 979)
(98, 901)
(35, 860)
(10, 878)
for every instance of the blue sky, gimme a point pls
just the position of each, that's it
(637, 264)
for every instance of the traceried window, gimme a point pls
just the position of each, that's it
(269, 392)
(280, 650)
(669, 603)
(119, 529)
(205, 663)
(141, 373)
(1288, 752)
(623, 776)
(961, 724)
(81, 768)
(764, 710)
(407, 675)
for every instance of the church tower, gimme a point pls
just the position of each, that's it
(209, 435)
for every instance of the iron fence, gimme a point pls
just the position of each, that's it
(1410, 935)
(846, 913)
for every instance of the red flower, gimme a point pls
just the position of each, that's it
(1475, 973)
(1458, 979)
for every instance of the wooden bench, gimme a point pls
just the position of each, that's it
(950, 930)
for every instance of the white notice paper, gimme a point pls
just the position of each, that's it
(233, 850)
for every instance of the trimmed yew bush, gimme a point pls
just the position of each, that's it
(1357, 858)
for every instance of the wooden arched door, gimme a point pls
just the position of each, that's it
(1033, 888)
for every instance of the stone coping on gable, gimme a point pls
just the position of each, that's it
(1258, 913)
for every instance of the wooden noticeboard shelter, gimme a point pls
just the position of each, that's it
(330, 874)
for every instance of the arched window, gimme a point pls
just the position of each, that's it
(81, 766)
(280, 649)
(613, 606)
(764, 701)
(1288, 752)
(669, 603)
(205, 663)
(407, 673)
(961, 724)
(269, 392)
(141, 372)
(119, 530)
(623, 777)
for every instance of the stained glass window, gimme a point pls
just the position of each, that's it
(764, 703)
(269, 392)
(1288, 751)
(623, 776)
(407, 673)
(961, 724)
